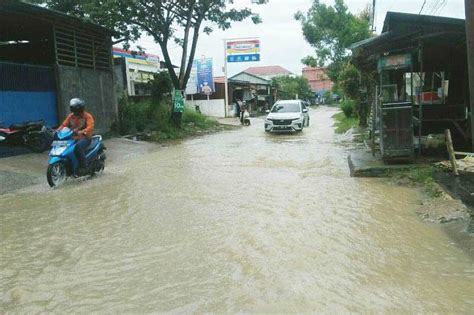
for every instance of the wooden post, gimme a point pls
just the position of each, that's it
(469, 7)
(452, 157)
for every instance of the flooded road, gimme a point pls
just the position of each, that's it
(239, 221)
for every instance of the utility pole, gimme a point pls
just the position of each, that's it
(226, 82)
(469, 7)
(373, 16)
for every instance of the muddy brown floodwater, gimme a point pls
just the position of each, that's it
(239, 221)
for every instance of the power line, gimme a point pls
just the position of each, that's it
(441, 7)
(435, 7)
(424, 2)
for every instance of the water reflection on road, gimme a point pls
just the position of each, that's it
(236, 221)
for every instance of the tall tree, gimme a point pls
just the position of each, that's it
(291, 87)
(331, 30)
(169, 22)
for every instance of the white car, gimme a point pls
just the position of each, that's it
(287, 116)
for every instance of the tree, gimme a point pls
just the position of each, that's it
(167, 21)
(331, 30)
(291, 87)
(161, 86)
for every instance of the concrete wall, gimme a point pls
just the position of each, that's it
(213, 108)
(95, 87)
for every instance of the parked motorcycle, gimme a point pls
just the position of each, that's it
(33, 134)
(63, 162)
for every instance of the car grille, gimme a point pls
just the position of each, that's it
(282, 122)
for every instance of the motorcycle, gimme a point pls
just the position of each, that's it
(33, 134)
(246, 118)
(63, 162)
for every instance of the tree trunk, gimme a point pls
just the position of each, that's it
(184, 55)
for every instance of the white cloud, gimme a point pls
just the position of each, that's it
(281, 37)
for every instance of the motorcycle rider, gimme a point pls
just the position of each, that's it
(82, 124)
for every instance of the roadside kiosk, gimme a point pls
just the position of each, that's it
(394, 110)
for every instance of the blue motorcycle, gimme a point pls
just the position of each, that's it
(63, 162)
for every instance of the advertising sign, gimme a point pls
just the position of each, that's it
(394, 62)
(243, 50)
(205, 78)
(178, 102)
(191, 87)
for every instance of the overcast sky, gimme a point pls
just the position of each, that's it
(282, 42)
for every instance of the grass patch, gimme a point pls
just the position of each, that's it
(422, 177)
(152, 121)
(192, 124)
(342, 123)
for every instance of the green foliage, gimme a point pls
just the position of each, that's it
(288, 87)
(342, 123)
(328, 98)
(153, 118)
(142, 116)
(331, 30)
(161, 87)
(422, 176)
(168, 22)
(198, 120)
(349, 81)
(348, 107)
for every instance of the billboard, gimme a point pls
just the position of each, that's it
(191, 87)
(205, 77)
(243, 50)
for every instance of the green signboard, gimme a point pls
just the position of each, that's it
(178, 102)
(394, 62)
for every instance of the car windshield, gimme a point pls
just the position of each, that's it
(286, 108)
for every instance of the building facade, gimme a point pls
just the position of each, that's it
(135, 70)
(318, 80)
(47, 58)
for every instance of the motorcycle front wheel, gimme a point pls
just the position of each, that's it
(56, 174)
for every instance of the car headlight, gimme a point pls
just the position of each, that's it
(299, 118)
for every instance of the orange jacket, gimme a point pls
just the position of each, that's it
(84, 123)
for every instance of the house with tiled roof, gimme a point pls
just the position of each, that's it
(268, 72)
(318, 79)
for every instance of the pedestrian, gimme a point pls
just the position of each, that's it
(243, 108)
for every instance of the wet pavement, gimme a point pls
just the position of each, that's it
(239, 221)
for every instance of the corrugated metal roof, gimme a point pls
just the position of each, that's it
(398, 17)
(13, 6)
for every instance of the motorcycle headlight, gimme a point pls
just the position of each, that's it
(57, 150)
(58, 147)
